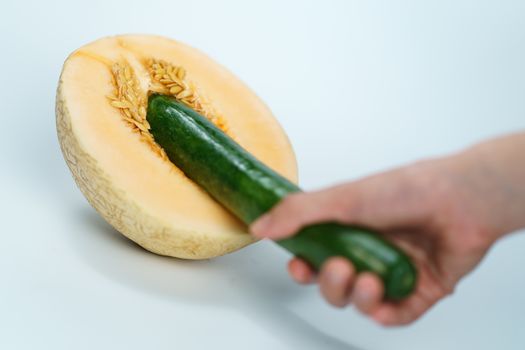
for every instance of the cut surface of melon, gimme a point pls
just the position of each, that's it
(138, 192)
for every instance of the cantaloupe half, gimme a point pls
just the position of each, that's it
(139, 192)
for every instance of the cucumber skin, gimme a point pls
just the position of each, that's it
(248, 188)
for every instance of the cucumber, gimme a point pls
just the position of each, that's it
(248, 189)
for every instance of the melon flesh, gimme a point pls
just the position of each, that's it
(140, 194)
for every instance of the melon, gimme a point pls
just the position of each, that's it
(118, 167)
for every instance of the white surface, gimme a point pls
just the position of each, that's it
(360, 86)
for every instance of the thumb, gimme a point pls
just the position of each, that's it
(301, 209)
(383, 202)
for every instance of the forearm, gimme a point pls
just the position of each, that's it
(497, 171)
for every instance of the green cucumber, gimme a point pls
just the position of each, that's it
(248, 189)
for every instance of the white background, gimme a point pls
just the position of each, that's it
(359, 86)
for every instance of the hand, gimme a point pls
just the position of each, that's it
(444, 213)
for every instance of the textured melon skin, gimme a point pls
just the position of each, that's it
(133, 219)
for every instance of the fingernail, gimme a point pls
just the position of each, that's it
(260, 227)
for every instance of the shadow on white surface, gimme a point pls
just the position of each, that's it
(245, 281)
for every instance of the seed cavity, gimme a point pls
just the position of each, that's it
(172, 80)
(132, 103)
(167, 79)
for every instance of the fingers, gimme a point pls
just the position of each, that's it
(384, 202)
(427, 293)
(368, 293)
(300, 271)
(300, 209)
(340, 285)
(335, 281)
(402, 313)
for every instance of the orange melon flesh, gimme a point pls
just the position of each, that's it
(140, 194)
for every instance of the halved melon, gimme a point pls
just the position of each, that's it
(122, 174)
